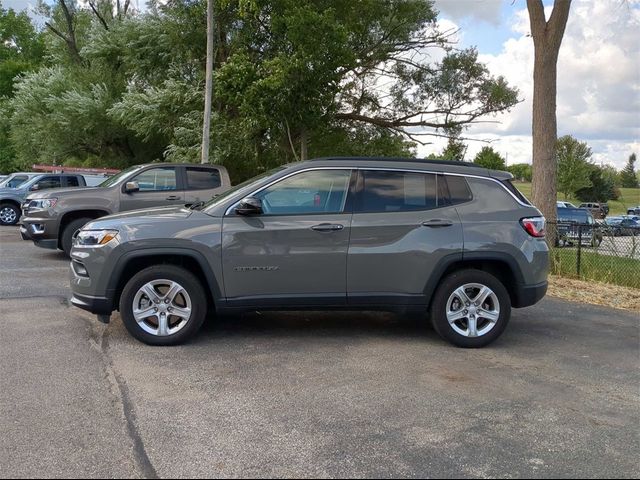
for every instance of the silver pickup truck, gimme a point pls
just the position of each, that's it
(51, 218)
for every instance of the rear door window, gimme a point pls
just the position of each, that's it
(202, 178)
(72, 182)
(390, 191)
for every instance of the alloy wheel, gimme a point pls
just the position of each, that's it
(473, 310)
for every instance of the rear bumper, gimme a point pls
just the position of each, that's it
(527, 295)
(96, 305)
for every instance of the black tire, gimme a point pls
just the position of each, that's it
(66, 239)
(191, 285)
(10, 207)
(446, 289)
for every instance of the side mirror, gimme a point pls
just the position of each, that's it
(249, 206)
(131, 187)
(34, 188)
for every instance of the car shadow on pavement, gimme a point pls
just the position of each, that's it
(294, 324)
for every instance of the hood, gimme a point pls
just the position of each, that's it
(58, 192)
(160, 225)
(149, 216)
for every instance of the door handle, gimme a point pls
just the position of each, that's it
(436, 222)
(327, 227)
(173, 197)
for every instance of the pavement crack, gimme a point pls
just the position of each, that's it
(101, 342)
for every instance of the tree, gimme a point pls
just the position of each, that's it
(22, 50)
(547, 38)
(487, 157)
(455, 150)
(573, 164)
(521, 171)
(292, 77)
(628, 176)
(602, 187)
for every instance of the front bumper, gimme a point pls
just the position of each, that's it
(527, 295)
(42, 231)
(96, 305)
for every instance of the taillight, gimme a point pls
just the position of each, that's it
(534, 226)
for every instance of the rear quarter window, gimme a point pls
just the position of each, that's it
(459, 191)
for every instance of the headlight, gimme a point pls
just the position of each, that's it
(94, 238)
(43, 203)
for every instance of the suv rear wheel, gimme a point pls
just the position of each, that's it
(163, 305)
(470, 308)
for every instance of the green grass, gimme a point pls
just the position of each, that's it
(594, 266)
(629, 197)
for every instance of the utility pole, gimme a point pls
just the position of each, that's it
(208, 89)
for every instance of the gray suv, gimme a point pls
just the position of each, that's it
(446, 238)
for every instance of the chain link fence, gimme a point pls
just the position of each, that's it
(596, 251)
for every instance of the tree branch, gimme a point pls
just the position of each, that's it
(558, 22)
(102, 20)
(537, 20)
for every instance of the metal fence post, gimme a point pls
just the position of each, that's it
(579, 249)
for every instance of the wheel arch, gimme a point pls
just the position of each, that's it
(500, 265)
(135, 261)
(72, 215)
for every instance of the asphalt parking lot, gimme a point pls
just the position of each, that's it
(309, 395)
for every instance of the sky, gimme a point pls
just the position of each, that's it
(598, 98)
(598, 73)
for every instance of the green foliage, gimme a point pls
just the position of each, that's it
(487, 157)
(628, 175)
(126, 88)
(455, 150)
(602, 187)
(21, 50)
(574, 165)
(521, 171)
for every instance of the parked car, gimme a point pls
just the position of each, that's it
(560, 204)
(51, 218)
(577, 224)
(18, 188)
(629, 226)
(633, 210)
(598, 210)
(448, 238)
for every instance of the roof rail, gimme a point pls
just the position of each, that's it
(401, 159)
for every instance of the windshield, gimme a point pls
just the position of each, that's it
(246, 185)
(14, 181)
(119, 176)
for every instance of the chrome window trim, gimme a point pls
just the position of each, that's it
(409, 170)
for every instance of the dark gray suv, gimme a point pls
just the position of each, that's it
(446, 238)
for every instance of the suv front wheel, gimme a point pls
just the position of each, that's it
(470, 308)
(163, 305)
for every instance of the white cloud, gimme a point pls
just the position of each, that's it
(598, 97)
(487, 10)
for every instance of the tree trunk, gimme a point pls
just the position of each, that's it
(543, 188)
(208, 89)
(547, 38)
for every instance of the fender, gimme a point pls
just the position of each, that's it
(449, 260)
(135, 250)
